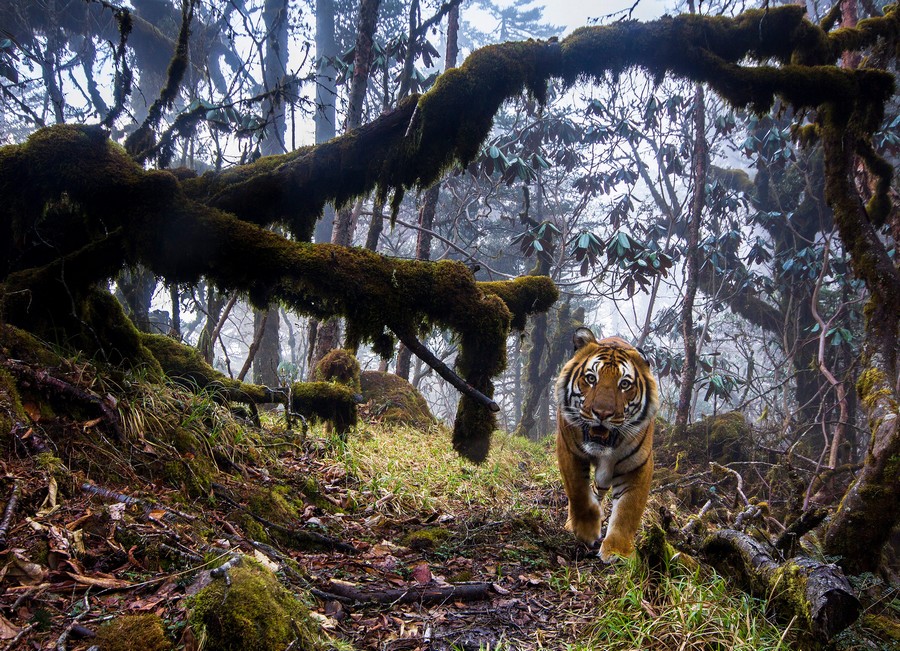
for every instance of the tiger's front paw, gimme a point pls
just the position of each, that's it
(586, 527)
(615, 545)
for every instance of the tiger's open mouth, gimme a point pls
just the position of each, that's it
(599, 435)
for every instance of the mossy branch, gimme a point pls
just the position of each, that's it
(449, 123)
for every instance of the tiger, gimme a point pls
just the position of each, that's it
(607, 399)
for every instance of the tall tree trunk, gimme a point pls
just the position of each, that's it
(175, 297)
(214, 304)
(268, 354)
(534, 421)
(692, 261)
(328, 333)
(326, 128)
(136, 287)
(275, 15)
(433, 194)
(868, 512)
(325, 117)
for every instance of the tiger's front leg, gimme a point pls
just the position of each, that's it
(585, 517)
(629, 498)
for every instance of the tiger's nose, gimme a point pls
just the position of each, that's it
(603, 413)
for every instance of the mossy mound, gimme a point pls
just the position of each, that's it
(722, 438)
(392, 399)
(16, 343)
(341, 366)
(426, 539)
(254, 613)
(131, 632)
(186, 365)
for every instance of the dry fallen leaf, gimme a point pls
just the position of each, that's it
(99, 581)
(49, 504)
(422, 573)
(22, 569)
(7, 629)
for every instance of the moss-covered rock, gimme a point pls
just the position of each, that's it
(390, 398)
(339, 365)
(16, 343)
(133, 632)
(254, 613)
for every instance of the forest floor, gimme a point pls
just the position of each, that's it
(476, 556)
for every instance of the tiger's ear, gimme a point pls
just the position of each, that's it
(643, 355)
(583, 337)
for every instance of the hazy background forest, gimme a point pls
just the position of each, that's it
(592, 189)
(699, 232)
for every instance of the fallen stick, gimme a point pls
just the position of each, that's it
(9, 512)
(414, 594)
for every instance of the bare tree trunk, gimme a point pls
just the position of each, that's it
(535, 418)
(344, 224)
(137, 286)
(692, 261)
(326, 128)
(268, 353)
(214, 304)
(175, 297)
(275, 15)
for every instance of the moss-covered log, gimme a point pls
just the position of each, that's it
(816, 596)
(327, 401)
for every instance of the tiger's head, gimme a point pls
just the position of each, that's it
(606, 390)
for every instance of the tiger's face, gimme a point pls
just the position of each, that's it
(607, 391)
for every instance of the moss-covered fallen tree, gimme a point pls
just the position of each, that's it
(77, 209)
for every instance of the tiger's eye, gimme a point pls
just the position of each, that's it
(625, 384)
(590, 378)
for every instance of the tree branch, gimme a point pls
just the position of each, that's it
(446, 372)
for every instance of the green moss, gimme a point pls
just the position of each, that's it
(313, 493)
(523, 296)
(16, 343)
(340, 366)
(867, 386)
(11, 411)
(328, 401)
(49, 462)
(253, 529)
(274, 504)
(391, 399)
(429, 538)
(253, 613)
(186, 364)
(192, 473)
(886, 629)
(130, 632)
